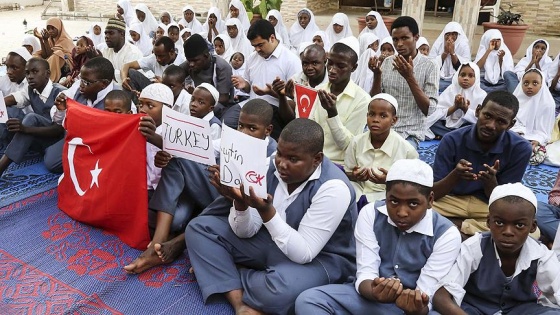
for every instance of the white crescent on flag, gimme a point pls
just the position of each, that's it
(72, 146)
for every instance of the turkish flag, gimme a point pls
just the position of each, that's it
(104, 179)
(305, 98)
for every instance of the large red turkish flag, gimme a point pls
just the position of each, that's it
(305, 98)
(104, 179)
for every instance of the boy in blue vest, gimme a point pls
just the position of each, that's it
(36, 129)
(204, 98)
(269, 250)
(496, 271)
(403, 248)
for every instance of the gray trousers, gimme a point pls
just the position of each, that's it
(270, 281)
(22, 143)
(138, 81)
(53, 157)
(5, 136)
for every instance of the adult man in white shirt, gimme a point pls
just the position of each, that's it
(119, 51)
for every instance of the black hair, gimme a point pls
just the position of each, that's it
(339, 48)
(167, 43)
(14, 54)
(407, 21)
(306, 133)
(503, 98)
(40, 61)
(237, 53)
(173, 26)
(423, 190)
(516, 199)
(535, 71)
(177, 72)
(219, 39)
(120, 95)
(540, 41)
(195, 46)
(262, 28)
(318, 48)
(102, 67)
(260, 108)
(393, 112)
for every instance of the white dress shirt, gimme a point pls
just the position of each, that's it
(216, 129)
(182, 104)
(153, 172)
(58, 115)
(318, 224)
(150, 63)
(22, 96)
(8, 87)
(126, 54)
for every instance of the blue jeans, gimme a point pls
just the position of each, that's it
(489, 87)
(511, 80)
(412, 140)
(443, 84)
(548, 217)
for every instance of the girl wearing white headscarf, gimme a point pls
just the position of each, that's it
(168, 15)
(194, 24)
(96, 38)
(374, 24)
(303, 29)
(220, 26)
(450, 58)
(149, 24)
(241, 15)
(32, 44)
(448, 114)
(487, 58)
(320, 38)
(423, 50)
(340, 19)
(280, 29)
(128, 15)
(226, 42)
(536, 57)
(182, 33)
(239, 43)
(363, 76)
(144, 42)
(366, 40)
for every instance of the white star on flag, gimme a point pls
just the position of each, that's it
(95, 175)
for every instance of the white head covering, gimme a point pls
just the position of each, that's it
(422, 41)
(150, 23)
(351, 42)
(240, 43)
(220, 25)
(171, 19)
(524, 62)
(163, 27)
(194, 25)
(516, 189)
(387, 97)
(23, 52)
(145, 42)
(535, 118)
(179, 42)
(299, 34)
(326, 42)
(185, 30)
(280, 29)
(462, 49)
(243, 17)
(551, 71)
(411, 170)
(386, 40)
(96, 39)
(380, 30)
(228, 52)
(129, 15)
(363, 76)
(366, 40)
(340, 19)
(158, 92)
(34, 42)
(211, 89)
(491, 69)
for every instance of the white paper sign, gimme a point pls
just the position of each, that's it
(243, 161)
(187, 137)
(3, 110)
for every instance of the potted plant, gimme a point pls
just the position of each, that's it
(260, 10)
(508, 23)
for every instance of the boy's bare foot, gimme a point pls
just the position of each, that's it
(171, 250)
(145, 261)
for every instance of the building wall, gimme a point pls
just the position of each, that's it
(541, 15)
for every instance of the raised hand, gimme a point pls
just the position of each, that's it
(463, 170)
(404, 67)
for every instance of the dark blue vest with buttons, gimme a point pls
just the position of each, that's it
(215, 120)
(403, 255)
(80, 98)
(489, 290)
(44, 108)
(338, 257)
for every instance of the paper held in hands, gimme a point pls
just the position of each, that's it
(3, 110)
(243, 161)
(187, 137)
(305, 99)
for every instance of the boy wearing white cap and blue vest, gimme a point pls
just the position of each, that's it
(371, 154)
(403, 248)
(496, 271)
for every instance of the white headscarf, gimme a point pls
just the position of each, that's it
(551, 71)
(462, 49)
(185, 30)
(363, 76)
(366, 40)
(179, 42)
(422, 41)
(145, 42)
(243, 17)
(158, 92)
(326, 43)
(171, 19)
(280, 29)
(150, 23)
(34, 42)
(340, 19)
(380, 30)
(240, 43)
(129, 15)
(492, 71)
(386, 40)
(299, 34)
(194, 25)
(96, 39)
(535, 118)
(543, 63)
(228, 52)
(220, 25)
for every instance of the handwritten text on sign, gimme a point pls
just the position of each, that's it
(3, 111)
(243, 161)
(187, 137)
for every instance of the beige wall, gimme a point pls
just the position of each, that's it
(542, 16)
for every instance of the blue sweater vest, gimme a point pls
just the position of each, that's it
(80, 98)
(403, 255)
(44, 108)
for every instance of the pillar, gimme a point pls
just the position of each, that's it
(415, 9)
(465, 13)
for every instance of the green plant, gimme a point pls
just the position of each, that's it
(508, 17)
(261, 7)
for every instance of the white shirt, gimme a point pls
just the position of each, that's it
(22, 96)
(150, 63)
(318, 224)
(153, 172)
(8, 87)
(548, 277)
(281, 63)
(58, 115)
(444, 253)
(126, 54)
(216, 129)
(182, 103)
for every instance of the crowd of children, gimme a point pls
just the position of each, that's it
(354, 222)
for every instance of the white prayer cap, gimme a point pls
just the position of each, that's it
(23, 52)
(516, 189)
(303, 45)
(212, 90)
(411, 170)
(158, 92)
(351, 42)
(387, 97)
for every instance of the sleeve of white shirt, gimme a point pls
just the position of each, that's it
(548, 277)
(350, 156)
(321, 219)
(22, 98)
(246, 223)
(294, 67)
(148, 62)
(344, 132)
(367, 247)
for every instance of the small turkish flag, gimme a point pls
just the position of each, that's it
(305, 98)
(104, 179)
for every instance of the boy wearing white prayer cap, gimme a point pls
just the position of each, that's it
(497, 271)
(403, 248)
(204, 98)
